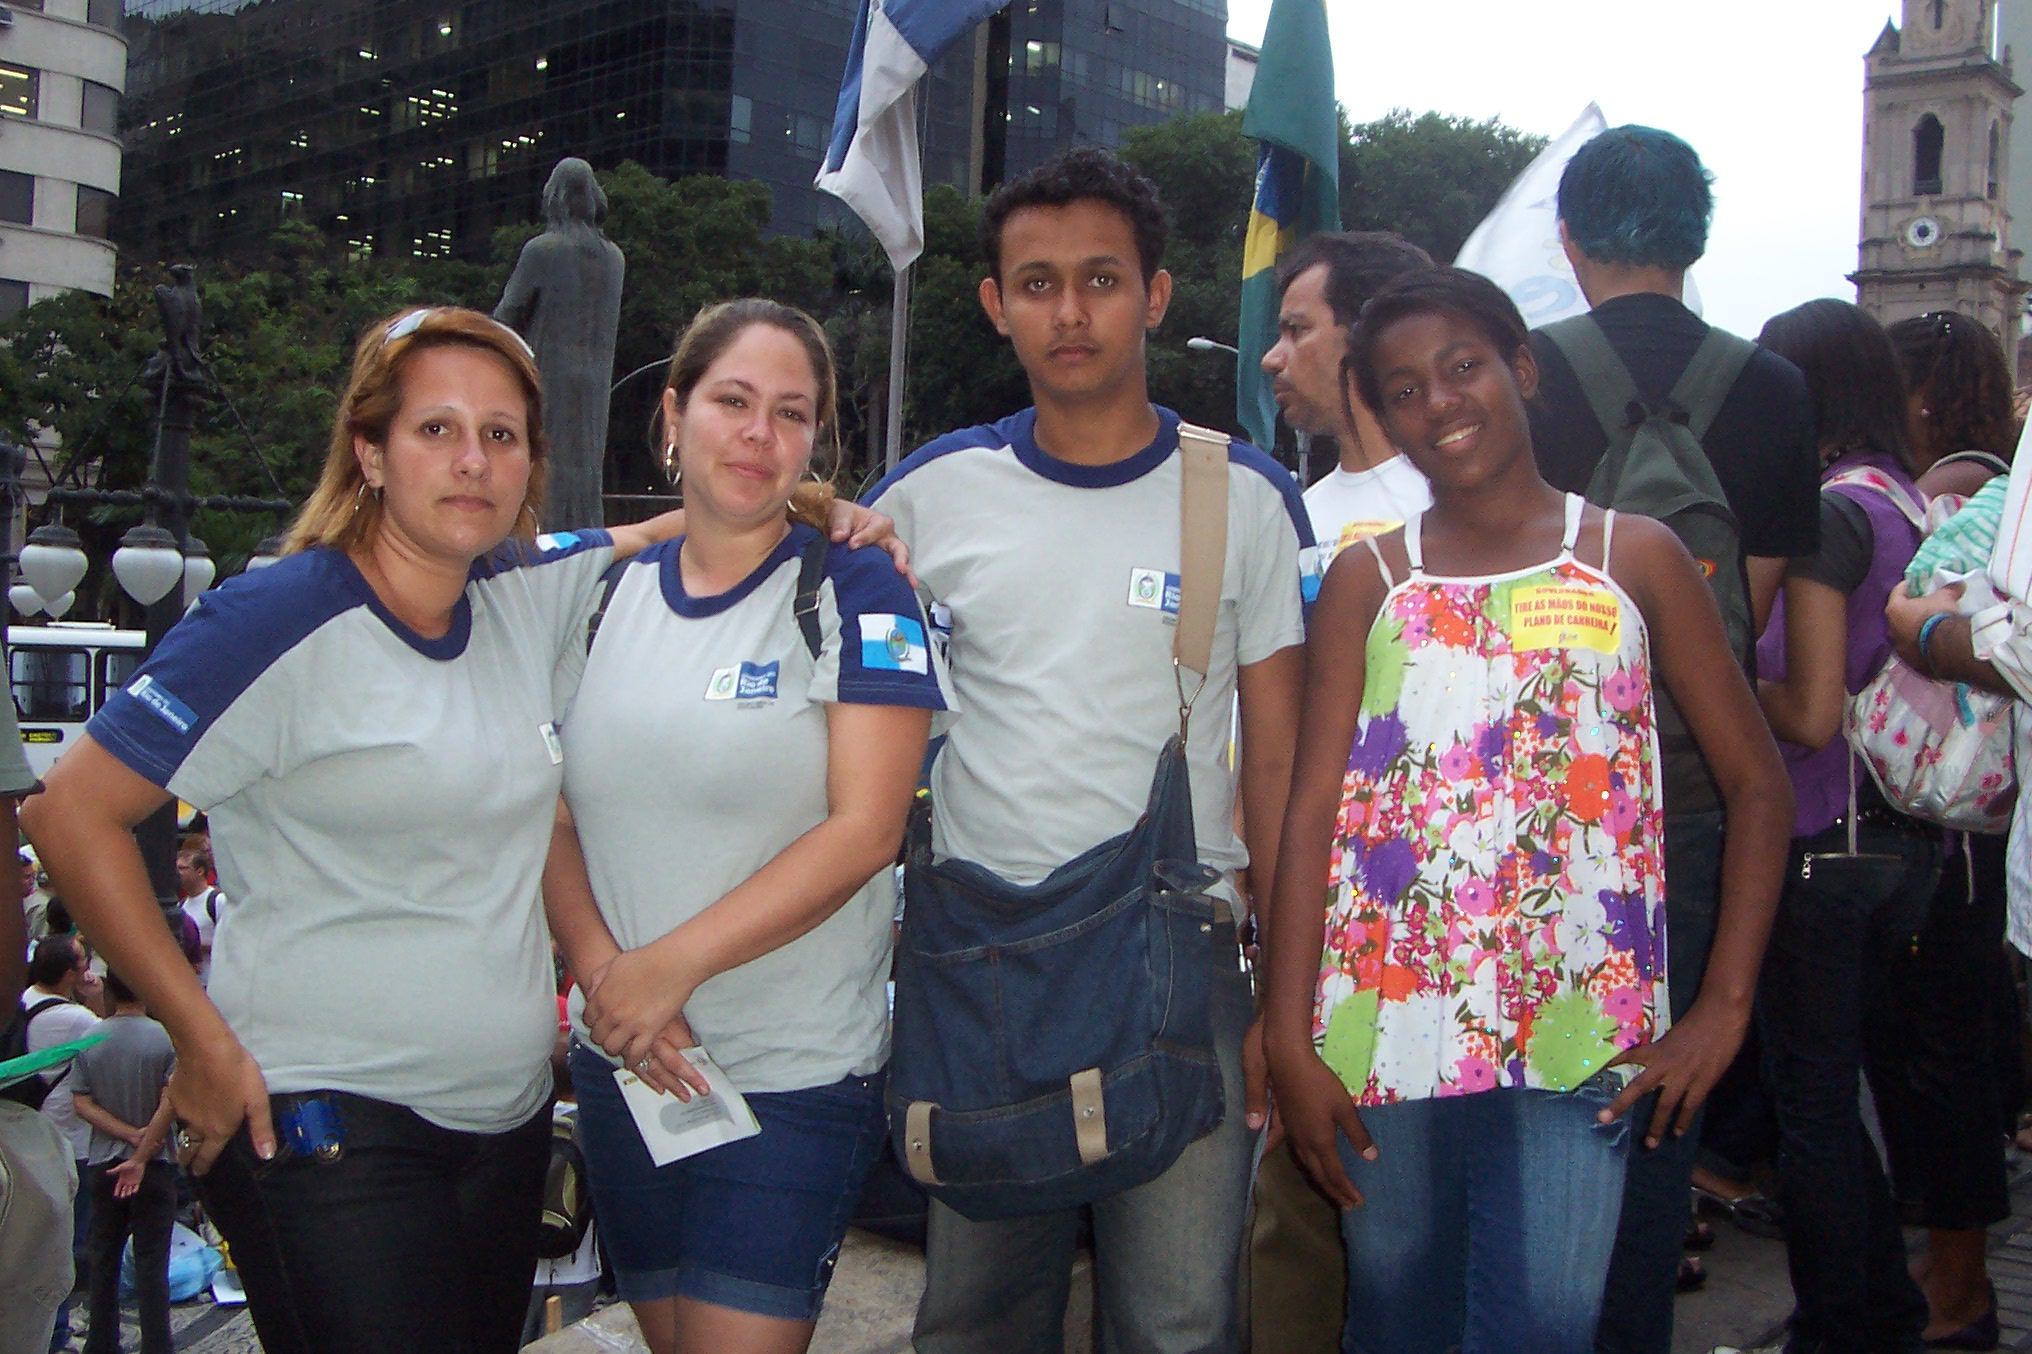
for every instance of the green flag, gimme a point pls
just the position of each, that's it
(1296, 123)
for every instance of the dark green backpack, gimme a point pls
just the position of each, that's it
(1655, 467)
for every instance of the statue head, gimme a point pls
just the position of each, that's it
(182, 272)
(573, 194)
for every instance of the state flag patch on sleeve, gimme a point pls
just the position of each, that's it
(892, 643)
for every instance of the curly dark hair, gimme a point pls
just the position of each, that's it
(1958, 366)
(1082, 174)
(1442, 291)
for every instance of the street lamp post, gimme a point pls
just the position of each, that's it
(158, 564)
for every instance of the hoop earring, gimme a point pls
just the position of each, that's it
(360, 495)
(670, 466)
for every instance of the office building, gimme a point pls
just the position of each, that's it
(419, 127)
(62, 66)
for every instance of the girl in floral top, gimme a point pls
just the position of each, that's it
(1467, 939)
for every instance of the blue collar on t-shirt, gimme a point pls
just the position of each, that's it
(1023, 441)
(449, 645)
(697, 608)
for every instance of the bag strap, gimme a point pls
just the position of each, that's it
(810, 574)
(1202, 553)
(1709, 377)
(1909, 503)
(1989, 461)
(610, 581)
(1603, 376)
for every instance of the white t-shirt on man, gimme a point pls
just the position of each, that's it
(1060, 582)
(1350, 506)
(60, 1025)
(381, 807)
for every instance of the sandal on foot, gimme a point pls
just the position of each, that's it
(1693, 1275)
(1757, 1214)
(1699, 1236)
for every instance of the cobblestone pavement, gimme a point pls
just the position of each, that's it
(875, 1293)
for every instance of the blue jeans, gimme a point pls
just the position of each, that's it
(753, 1225)
(1486, 1223)
(1166, 1254)
(1644, 1269)
(1819, 1011)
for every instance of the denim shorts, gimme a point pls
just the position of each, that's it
(753, 1225)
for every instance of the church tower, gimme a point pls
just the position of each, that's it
(1936, 151)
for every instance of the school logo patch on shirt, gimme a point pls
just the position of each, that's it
(557, 540)
(1154, 590)
(744, 682)
(157, 697)
(891, 643)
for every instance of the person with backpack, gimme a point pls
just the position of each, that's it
(739, 764)
(1645, 408)
(1114, 579)
(1861, 874)
(1956, 1081)
(35, 1160)
(1476, 834)
(52, 1014)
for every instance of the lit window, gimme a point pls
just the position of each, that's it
(19, 86)
(740, 119)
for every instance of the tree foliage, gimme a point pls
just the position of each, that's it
(281, 326)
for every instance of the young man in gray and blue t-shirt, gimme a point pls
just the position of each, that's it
(1032, 535)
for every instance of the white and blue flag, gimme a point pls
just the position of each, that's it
(893, 643)
(873, 164)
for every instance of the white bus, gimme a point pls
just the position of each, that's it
(60, 674)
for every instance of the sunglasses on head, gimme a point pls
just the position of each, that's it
(411, 321)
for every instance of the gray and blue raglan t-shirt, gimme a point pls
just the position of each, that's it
(381, 806)
(697, 751)
(1060, 586)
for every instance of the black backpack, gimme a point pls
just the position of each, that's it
(1655, 466)
(803, 605)
(31, 1090)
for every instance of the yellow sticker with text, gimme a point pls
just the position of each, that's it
(1565, 616)
(1354, 533)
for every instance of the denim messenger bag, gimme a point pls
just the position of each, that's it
(1053, 1042)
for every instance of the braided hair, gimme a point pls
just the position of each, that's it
(1957, 368)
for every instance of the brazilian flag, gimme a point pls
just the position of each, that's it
(1296, 124)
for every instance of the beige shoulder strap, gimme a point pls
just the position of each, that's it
(1203, 544)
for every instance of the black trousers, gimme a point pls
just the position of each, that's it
(409, 1237)
(147, 1215)
(1824, 1004)
(1949, 1088)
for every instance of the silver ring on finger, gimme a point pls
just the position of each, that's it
(645, 1065)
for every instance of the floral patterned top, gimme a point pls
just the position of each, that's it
(1497, 914)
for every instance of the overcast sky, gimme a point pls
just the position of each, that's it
(1769, 94)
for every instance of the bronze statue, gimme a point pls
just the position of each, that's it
(565, 298)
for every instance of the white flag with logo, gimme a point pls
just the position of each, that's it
(1517, 245)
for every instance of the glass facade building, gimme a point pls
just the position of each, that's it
(1084, 71)
(419, 127)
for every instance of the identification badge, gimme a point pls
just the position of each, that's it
(1565, 616)
(744, 682)
(1154, 590)
(674, 1129)
(552, 744)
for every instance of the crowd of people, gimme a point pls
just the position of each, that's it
(1364, 915)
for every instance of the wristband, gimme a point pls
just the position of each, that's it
(1924, 646)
